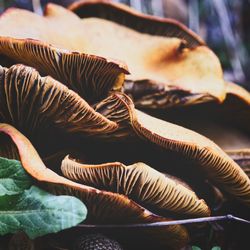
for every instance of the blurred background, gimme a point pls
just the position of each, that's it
(223, 24)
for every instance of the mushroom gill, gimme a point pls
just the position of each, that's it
(157, 59)
(103, 206)
(41, 108)
(140, 183)
(90, 76)
(212, 160)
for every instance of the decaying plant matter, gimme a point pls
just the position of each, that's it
(70, 98)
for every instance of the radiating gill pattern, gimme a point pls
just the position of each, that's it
(139, 182)
(92, 77)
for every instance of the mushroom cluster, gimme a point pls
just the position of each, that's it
(110, 132)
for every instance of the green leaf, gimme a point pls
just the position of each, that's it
(37, 213)
(195, 248)
(13, 178)
(27, 208)
(216, 248)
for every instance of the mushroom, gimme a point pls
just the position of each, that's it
(159, 95)
(126, 16)
(103, 206)
(140, 183)
(212, 160)
(43, 105)
(225, 172)
(155, 50)
(155, 58)
(43, 108)
(159, 98)
(227, 124)
(90, 76)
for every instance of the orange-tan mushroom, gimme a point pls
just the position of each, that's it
(217, 165)
(40, 105)
(103, 206)
(50, 118)
(151, 57)
(227, 123)
(161, 62)
(140, 183)
(42, 108)
(90, 76)
(126, 16)
(157, 96)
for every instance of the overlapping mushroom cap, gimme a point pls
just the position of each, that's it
(48, 112)
(161, 46)
(103, 206)
(227, 124)
(213, 160)
(66, 62)
(140, 182)
(155, 95)
(56, 108)
(151, 57)
(127, 16)
(42, 107)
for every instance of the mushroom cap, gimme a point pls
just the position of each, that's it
(42, 108)
(227, 123)
(140, 183)
(103, 206)
(124, 15)
(169, 47)
(212, 160)
(66, 60)
(90, 76)
(158, 59)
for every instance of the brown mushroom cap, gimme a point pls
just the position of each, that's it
(103, 206)
(217, 165)
(158, 59)
(41, 107)
(227, 124)
(162, 58)
(129, 17)
(90, 76)
(140, 183)
(27, 42)
(155, 58)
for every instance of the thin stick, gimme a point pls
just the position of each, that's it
(228, 217)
